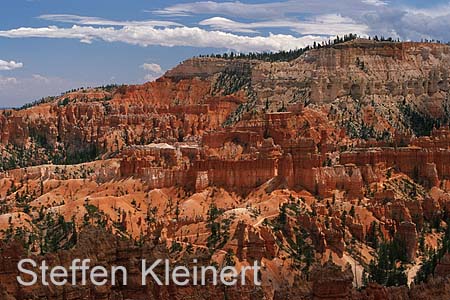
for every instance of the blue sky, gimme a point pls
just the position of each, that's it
(49, 46)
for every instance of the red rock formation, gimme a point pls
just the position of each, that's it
(330, 282)
(428, 166)
(252, 244)
(406, 232)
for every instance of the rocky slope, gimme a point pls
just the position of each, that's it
(331, 169)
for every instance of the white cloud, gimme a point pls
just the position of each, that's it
(330, 25)
(375, 2)
(40, 78)
(219, 23)
(433, 12)
(7, 81)
(169, 37)
(409, 23)
(9, 65)
(82, 20)
(154, 71)
(267, 10)
(151, 67)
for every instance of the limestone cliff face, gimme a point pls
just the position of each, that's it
(208, 67)
(358, 69)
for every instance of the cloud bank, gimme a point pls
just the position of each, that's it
(323, 17)
(330, 25)
(268, 10)
(168, 37)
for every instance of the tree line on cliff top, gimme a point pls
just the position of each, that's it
(288, 55)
